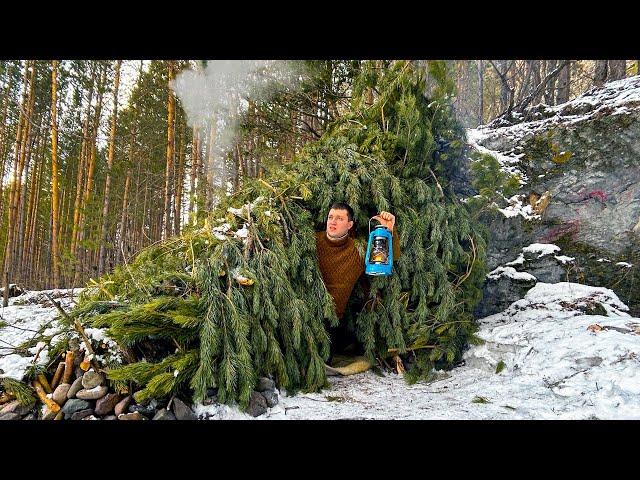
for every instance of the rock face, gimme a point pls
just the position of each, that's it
(580, 162)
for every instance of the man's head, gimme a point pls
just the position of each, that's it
(339, 220)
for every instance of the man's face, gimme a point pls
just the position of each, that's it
(338, 223)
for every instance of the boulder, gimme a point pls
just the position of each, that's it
(257, 404)
(182, 411)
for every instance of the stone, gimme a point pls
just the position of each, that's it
(15, 407)
(74, 405)
(164, 414)
(92, 394)
(271, 398)
(106, 404)
(10, 416)
(110, 417)
(211, 396)
(146, 411)
(79, 415)
(31, 416)
(91, 417)
(60, 393)
(92, 379)
(265, 384)
(76, 386)
(121, 406)
(132, 416)
(48, 414)
(257, 404)
(182, 411)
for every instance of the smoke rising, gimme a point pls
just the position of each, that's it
(219, 94)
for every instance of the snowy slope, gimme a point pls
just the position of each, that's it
(555, 366)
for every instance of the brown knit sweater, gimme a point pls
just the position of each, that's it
(341, 266)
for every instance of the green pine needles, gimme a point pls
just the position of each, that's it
(243, 297)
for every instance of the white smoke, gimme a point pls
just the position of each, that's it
(219, 94)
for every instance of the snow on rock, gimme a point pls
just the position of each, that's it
(516, 207)
(542, 248)
(511, 273)
(564, 259)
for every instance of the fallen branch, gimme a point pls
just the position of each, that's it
(51, 405)
(44, 382)
(79, 329)
(57, 376)
(68, 367)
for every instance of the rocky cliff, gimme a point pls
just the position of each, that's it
(579, 169)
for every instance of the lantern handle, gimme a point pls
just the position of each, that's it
(370, 224)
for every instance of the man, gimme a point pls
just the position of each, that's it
(341, 264)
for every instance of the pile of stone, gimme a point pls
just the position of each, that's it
(87, 397)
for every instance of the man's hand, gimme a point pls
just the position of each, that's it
(386, 219)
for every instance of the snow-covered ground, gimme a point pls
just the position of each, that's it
(554, 362)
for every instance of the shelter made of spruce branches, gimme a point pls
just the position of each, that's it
(243, 297)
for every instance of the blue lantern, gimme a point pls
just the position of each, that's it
(379, 259)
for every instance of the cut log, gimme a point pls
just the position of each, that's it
(68, 367)
(51, 405)
(45, 383)
(85, 364)
(57, 376)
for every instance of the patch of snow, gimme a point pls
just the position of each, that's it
(242, 233)
(564, 259)
(516, 262)
(625, 264)
(516, 208)
(511, 273)
(541, 248)
(604, 260)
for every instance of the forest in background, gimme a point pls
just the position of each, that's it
(99, 159)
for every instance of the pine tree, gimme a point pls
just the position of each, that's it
(242, 296)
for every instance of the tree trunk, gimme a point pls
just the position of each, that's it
(92, 147)
(537, 78)
(107, 185)
(54, 175)
(80, 175)
(564, 84)
(617, 70)
(550, 90)
(3, 135)
(195, 156)
(601, 72)
(480, 92)
(177, 214)
(11, 226)
(25, 161)
(171, 102)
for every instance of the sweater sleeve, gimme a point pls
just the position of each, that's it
(396, 244)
